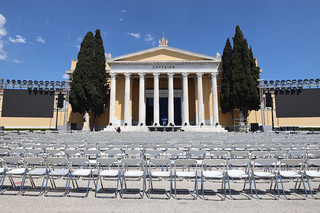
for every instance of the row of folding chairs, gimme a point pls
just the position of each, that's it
(228, 172)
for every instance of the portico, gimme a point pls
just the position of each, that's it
(164, 86)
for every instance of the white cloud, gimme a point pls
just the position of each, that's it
(104, 33)
(78, 46)
(120, 19)
(148, 37)
(123, 10)
(135, 35)
(47, 22)
(18, 39)
(41, 40)
(3, 32)
(65, 76)
(17, 61)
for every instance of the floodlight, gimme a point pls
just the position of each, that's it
(8, 81)
(283, 81)
(24, 82)
(265, 82)
(311, 81)
(63, 83)
(13, 81)
(271, 82)
(294, 81)
(46, 82)
(40, 89)
(277, 82)
(35, 82)
(300, 81)
(41, 82)
(277, 89)
(30, 82)
(271, 89)
(52, 83)
(317, 80)
(35, 89)
(305, 81)
(57, 83)
(46, 89)
(288, 81)
(19, 81)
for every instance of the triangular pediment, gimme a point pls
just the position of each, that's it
(163, 53)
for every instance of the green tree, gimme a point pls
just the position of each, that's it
(88, 86)
(244, 76)
(226, 102)
(97, 77)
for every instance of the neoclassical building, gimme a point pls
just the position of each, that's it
(163, 86)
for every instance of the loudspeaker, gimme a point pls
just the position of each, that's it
(254, 127)
(269, 100)
(60, 100)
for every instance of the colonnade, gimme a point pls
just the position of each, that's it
(156, 109)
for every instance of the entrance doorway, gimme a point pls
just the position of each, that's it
(163, 103)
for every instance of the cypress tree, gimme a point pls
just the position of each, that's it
(88, 86)
(97, 78)
(244, 76)
(226, 102)
(79, 86)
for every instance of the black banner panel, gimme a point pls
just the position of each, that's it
(299, 103)
(27, 103)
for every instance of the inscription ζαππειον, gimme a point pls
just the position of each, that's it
(163, 67)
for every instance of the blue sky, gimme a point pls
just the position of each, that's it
(38, 39)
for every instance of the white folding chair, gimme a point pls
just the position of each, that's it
(160, 169)
(132, 168)
(36, 168)
(239, 169)
(290, 170)
(80, 168)
(186, 169)
(14, 169)
(108, 169)
(265, 169)
(312, 174)
(212, 170)
(58, 168)
(2, 173)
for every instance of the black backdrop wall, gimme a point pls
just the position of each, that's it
(27, 103)
(299, 103)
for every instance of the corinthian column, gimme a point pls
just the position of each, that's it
(112, 99)
(170, 99)
(127, 120)
(200, 98)
(142, 103)
(185, 116)
(156, 107)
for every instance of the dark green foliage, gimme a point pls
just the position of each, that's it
(226, 102)
(88, 89)
(244, 74)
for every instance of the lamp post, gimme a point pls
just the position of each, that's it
(261, 102)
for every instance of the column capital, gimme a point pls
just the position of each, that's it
(141, 74)
(156, 74)
(185, 74)
(199, 74)
(170, 74)
(127, 74)
(214, 74)
(113, 74)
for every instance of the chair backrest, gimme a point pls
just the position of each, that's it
(34, 161)
(260, 154)
(133, 161)
(4, 152)
(61, 161)
(185, 162)
(314, 154)
(81, 162)
(238, 163)
(133, 153)
(107, 161)
(72, 152)
(159, 161)
(214, 163)
(239, 154)
(279, 154)
(33, 152)
(153, 153)
(197, 153)
(12, 160)
(219, 154)
(297, 154)
(271, 162)
(113, 153)
(314, 162)
(292, 162)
